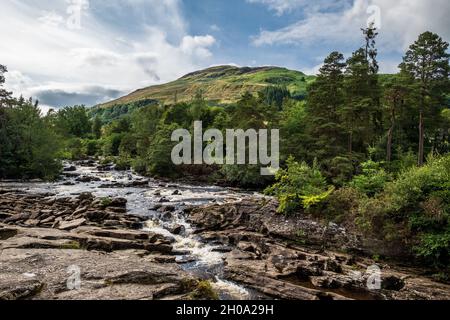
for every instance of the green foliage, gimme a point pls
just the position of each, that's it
(158, 158)
(72, 122)
(414, 208)
(245, 176)
(435, 248)
(299, 185)
(372, 180)
(342, 204)
(28, 145)
(204, 291)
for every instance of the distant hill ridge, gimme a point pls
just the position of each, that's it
(220, 84)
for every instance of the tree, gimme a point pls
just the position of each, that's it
(5, 96)
(394, 97)
(325, 98)
(356, 111)
(28, 145)
(97, 127)
(73, 121)
(427, 62)
(370, 35)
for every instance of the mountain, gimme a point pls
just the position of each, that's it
(221, 85)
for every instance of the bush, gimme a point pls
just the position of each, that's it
(343, 204)
(372, 180)
(435, 248)
(415, 209)
(245, 175)
(299, 186)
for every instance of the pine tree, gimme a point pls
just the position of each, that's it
(325, 97)
(427, 62)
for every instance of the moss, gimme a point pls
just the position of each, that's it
(71, 245)
(106, 202)
(204, 291)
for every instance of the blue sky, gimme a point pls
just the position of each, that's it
(109, 48)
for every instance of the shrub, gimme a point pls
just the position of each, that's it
(299, 186)
(343, 203)
(414, 208)
(372, 180)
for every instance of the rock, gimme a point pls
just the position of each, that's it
(163, 200)
(159, 248)
(137, 183)
(19, 289)
(70, 169)
(178, 229)
(97, 216)
(18, 217)
(114, 276)
(167, 216)
(118, 203)
(87, 179)
(86, 196)
(176, 193)
(69, 225)
(116, 234)
(6, 233)
(167, 208)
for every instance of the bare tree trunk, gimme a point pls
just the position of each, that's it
(421, 140)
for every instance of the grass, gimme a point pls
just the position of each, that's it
(221, 85)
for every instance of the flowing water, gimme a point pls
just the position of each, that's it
(200, 258)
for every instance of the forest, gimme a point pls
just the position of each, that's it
(364, 149)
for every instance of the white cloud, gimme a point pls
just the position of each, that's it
(285, 6)
(401, 23)
(109, 54)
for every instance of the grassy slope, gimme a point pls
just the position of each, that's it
(223, 84)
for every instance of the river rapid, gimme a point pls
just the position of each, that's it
(202, 259)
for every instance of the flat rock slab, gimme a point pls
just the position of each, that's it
(45, 274)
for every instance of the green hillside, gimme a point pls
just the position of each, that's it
(222, 84)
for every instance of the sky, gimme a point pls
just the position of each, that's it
(67, 52)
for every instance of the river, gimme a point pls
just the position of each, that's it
(202, 259)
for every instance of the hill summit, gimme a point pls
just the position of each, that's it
(221, 84)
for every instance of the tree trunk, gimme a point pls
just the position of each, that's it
(389, 144)
(390, 136)
(350, 143)
(421, 140)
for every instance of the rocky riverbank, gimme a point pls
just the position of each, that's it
(295, 258)
(42, 237)
(248, 248)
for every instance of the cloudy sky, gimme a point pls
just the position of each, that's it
(66, 52)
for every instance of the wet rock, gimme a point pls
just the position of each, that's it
(137, 183)
(176, 193)
(167, 216)
(106, 167)
(70, 169)
(159, 248)
(178, 229)
(86, 179)
(167, 209)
